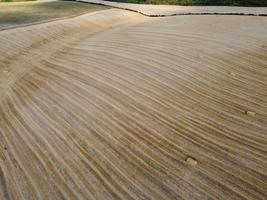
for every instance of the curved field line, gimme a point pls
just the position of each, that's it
(113, 104)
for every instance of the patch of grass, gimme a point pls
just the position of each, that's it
(14, 0)
(24, 13)
(201, 2)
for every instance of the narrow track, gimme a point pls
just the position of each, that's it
(111, 109)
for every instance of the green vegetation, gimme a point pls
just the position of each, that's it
(24, 13)
(202, 2)
(14, 0)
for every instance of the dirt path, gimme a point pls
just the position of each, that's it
(171, 10)
(111, 105)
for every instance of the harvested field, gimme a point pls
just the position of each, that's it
(170, 10)
(17, 14)
(116, 105)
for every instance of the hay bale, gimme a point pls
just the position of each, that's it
(191, 161)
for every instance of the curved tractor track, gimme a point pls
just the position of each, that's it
(111, 105)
